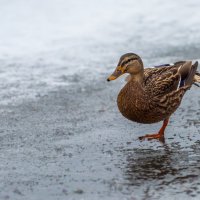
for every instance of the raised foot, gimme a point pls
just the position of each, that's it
(157, 136)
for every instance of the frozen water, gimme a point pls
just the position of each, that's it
(52, 43)
(72, 143)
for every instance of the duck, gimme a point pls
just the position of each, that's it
(153, 94)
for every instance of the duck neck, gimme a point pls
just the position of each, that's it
(138, 77)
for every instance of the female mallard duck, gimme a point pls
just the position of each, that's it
(153, 94)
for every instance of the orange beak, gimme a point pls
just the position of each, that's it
(117, 73)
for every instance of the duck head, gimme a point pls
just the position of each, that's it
(128, 63)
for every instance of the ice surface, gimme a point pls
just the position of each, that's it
(51, 43)
(73, 143)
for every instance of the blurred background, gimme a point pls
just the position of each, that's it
(43, 43)
(61, 135)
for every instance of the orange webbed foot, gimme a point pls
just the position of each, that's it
(152, 136)
(157, 136)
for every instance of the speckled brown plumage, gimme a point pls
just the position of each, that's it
(153, 94)
(139, 104)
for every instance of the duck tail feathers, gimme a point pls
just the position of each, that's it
(196, 76)
(190, 78)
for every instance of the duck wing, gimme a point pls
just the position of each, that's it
(167, 85)
(164, 79)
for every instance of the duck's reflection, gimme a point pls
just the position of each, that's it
(163, 169)
(148, 165)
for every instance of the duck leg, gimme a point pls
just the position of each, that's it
(159, 135)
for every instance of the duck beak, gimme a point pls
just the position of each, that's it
(118, 72)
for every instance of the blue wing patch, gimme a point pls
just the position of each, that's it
(182, 83)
